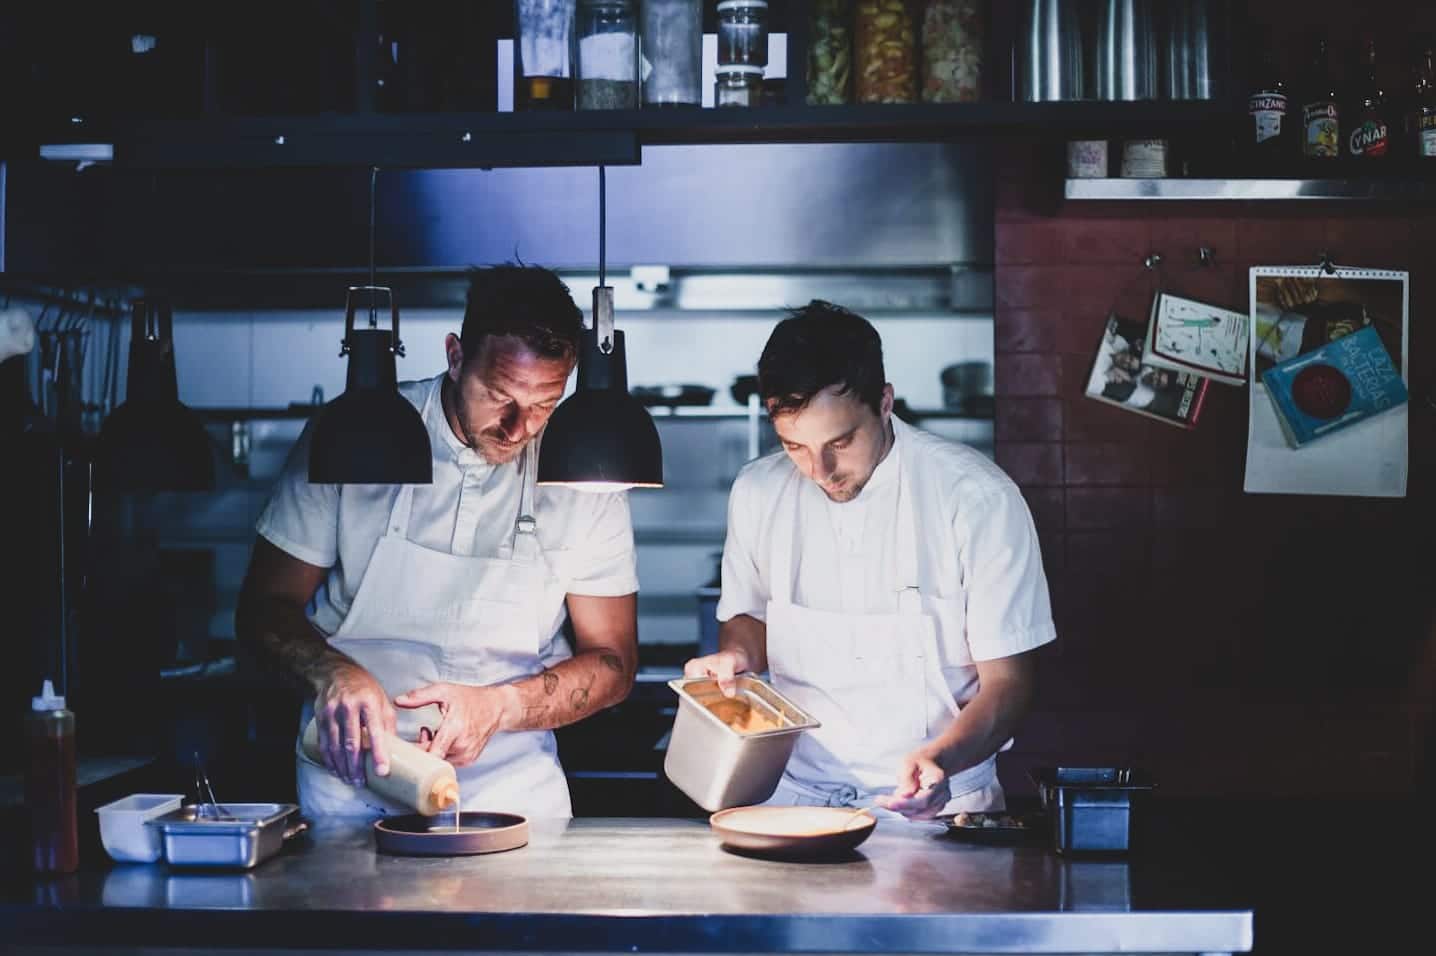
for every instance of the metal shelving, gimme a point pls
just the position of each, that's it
(1386, 188)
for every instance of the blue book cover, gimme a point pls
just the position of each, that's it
(1332, 387)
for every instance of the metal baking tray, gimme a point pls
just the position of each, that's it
(243, 835)
(997, 828)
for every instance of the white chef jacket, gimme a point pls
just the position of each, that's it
(586, 538)
(976, 539)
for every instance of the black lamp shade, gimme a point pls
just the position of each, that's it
(371, 434)
(152, 442)
(601, 438)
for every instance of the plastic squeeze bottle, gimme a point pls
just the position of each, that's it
(50, 783)
(416, 777)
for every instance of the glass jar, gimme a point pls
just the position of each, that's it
(830, 53)
(607, 55)
(543, 54)
(738, 85)
(885, 51)
(671, 52)
(743, 33)
(952, 38)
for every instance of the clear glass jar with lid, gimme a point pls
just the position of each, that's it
(738, 85)
(743, 33)
(607, 55)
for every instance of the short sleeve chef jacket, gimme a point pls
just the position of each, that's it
(978, 549)
(470, 509)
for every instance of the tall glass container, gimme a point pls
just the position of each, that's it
(830, 53)
(671, 52)
(543, 54)
(607, 55)
(885, 51)
(952, 40)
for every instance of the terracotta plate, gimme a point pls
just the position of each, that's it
(416, 835)
(792, 831)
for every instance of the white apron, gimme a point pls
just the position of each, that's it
(422, 616)
(875, 682)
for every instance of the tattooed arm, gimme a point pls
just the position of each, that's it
(599, 675)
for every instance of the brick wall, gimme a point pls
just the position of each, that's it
(1233, 643)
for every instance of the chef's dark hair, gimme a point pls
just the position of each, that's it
(530, 303)
(816, 347)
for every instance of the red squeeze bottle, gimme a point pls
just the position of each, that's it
(50, 783)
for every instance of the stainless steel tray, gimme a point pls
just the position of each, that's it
(245, 835)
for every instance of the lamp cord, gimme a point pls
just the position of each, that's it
(373, 312)
(602, 227)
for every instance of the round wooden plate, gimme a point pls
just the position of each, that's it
(479, 832)
(793, 831)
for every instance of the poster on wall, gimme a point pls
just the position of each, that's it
(1327, 367)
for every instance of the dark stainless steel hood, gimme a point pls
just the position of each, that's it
(737, 207)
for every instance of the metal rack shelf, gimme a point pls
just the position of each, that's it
(1415, 189)
(611, 137)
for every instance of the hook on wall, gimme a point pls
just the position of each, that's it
(1206, 255)
(1153, 260)
(1326, 264)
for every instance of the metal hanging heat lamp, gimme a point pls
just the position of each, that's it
(601, 438)
(370, 435)
(152, 442)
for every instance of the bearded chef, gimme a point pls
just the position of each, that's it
(889, 581)
(435, 611)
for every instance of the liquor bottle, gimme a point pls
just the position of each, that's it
(1320, 114)
(1421, 114)
(1368, 136)
(1268, 143)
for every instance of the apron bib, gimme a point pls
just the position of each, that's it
(421, 616)
(873, 680)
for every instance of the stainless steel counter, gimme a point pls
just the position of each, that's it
(637, 885)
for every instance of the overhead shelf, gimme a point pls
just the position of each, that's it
(610, 137)
(1415, 189)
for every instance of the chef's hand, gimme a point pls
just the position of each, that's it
(922, 789)
(724, 666)
(471, 716)
(348, 703)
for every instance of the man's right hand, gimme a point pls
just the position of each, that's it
(724, 666)
(348, 702)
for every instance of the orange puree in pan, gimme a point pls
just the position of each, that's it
(742, 716)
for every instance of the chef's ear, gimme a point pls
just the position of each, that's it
(455, 353)
(887, 404)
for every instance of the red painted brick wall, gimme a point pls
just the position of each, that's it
(1231, 643)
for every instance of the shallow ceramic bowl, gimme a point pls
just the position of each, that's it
(793, 831)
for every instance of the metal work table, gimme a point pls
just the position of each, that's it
(634, 885)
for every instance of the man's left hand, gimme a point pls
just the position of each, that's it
(471, 716)
(922, 789)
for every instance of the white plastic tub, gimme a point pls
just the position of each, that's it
(123, 830)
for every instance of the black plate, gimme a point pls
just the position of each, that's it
(415, 835)
(1033, 828)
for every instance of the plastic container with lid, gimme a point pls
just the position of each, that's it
(738, 86)
(50, 793)
(742, 33)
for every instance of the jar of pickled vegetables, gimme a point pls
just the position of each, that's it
(830, 53)
(885, 51)
(952, 38)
